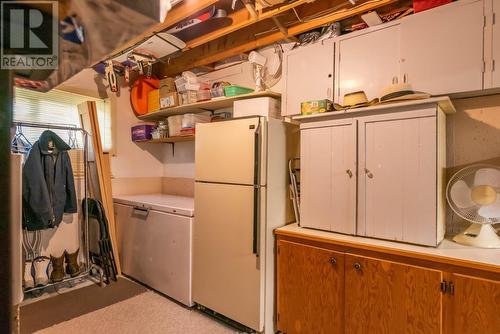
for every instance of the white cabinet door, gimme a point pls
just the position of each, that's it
(367, 62)
(397, 176)
(496, 44)
(442, 48)
(308, 75)
(328, 176)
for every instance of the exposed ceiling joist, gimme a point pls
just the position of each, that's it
(242, 19)
(284, 30)
(244, 40)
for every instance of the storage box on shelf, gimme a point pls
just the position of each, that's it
(190, 120)
(153, 100)
(142, 132)
(235, 90)
(192, 88)
(262, 106)
(169, 100)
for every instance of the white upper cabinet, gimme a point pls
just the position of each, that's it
(496, 44)
(442, 48)
(367, 62)
(308, 75)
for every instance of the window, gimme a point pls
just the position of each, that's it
(59, 107)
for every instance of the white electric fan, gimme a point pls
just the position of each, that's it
(474, 195)
(267, 69)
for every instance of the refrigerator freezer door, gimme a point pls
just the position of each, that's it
(155, 248)
(225, 151)
(226, 273)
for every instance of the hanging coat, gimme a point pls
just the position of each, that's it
(48, 184)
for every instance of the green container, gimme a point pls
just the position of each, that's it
(236, 90)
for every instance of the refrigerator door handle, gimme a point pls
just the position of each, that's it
(256, 190)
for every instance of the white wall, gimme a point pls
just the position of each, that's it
(180, 161)
(132, 159)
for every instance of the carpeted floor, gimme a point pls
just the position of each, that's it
(147, 313)
(72, 304)
(122, 307)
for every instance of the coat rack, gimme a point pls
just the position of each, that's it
(86, 267)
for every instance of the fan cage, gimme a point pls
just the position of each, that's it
(470, 214)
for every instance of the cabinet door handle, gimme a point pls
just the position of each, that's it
(349, 172)
(451, 288)
(357, 266)
(405, 78)
(328, 92)
(368, 173)
(333, 261)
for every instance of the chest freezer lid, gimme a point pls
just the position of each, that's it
(160, 202)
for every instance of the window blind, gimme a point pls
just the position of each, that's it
(59, 107)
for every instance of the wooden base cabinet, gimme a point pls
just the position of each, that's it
(339, 289)
(388, 297)
(474, 305)
(311, 292)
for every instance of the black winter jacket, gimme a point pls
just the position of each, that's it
(48, 184)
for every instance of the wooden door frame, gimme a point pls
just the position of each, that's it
(6, 95)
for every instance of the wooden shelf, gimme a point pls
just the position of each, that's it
(199, 107)
(171, 140)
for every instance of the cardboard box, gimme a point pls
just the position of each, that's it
(154, 100)
(141, 132)
(168, 85)
(315, 106)
(170, 100)
(260, 106)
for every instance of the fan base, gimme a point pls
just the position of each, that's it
(479, 235)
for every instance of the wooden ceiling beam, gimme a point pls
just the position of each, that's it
(284, 31)
(242, 19)
(244, 40)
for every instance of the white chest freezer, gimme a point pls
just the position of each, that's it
(154, 241)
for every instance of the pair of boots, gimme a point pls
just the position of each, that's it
(36, 272)
(72, 266)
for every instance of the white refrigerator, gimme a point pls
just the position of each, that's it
(240, 198)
